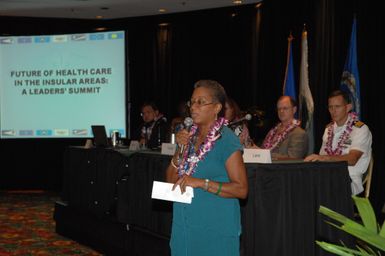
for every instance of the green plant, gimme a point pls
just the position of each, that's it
(369, 231)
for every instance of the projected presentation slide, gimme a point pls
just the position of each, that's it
(57, 86)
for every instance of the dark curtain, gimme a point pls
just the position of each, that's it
(245, 50)
(167, 54)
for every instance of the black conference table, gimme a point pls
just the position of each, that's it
(279, 217)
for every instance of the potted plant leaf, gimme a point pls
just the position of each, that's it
(371, 237)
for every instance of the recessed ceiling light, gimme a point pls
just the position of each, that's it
(237, 1)
(165, 24)
(100, 29)
(99, 17)
(162, 10)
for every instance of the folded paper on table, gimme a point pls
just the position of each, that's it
(163, 191)
(134, 145)
(168, 149)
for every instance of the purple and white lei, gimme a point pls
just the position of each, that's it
(273, 138)
(352, 118)
(190, 160)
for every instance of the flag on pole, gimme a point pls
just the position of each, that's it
(288, 83)
(306, 103)
(350, 81)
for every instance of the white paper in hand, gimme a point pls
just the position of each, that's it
(163, 191)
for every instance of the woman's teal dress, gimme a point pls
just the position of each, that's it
(211, 224)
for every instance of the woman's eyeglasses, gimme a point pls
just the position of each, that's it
(199, 103)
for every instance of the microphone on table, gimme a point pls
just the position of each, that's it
(188, 122)
(247, 117)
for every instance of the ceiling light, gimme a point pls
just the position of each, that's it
(237, 1)
(100, 29)
(99, 17)
(162, 10)
(258, 5)
(165, 24)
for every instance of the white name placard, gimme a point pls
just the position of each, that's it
(134, 145)
(168, 149)
(254, 155)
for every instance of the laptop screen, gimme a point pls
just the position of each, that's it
(100, 136)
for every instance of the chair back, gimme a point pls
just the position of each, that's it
(368, 177)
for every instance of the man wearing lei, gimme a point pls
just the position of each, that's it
(287, 139)
(210, 162)
(346, 139)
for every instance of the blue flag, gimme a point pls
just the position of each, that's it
(289, 84)
(350, 81)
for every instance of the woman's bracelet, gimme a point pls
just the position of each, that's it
(219, 188)
(206, 187)
(172, 163)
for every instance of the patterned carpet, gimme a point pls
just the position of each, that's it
(27, 226)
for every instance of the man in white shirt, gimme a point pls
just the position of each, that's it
(346, 139)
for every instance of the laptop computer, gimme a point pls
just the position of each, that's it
(100, 136)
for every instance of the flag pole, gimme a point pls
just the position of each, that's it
(289, 39)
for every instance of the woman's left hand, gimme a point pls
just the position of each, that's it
(186, 180)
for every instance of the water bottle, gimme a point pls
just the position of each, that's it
(172, 138)
(115, 135)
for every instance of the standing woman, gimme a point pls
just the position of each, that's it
(212, 164)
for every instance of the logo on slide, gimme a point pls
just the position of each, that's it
(59, 39)
(8, 133)
(24, 40)
(7, 40)
(42, 39)
(78, 37)
(44, 132)
(115, 35)
(25, 132)
(96, 36)
(80, 132)
(61, 132)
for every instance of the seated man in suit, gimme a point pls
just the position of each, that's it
(155, 129)
(346, 139)
(287, 139)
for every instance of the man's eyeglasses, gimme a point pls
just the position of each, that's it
(331, 107)
(148, 112)
(284, 109)
(198, 102)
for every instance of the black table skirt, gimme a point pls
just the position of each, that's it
(279, 217)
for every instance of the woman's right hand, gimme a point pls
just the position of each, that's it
(182, 137)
